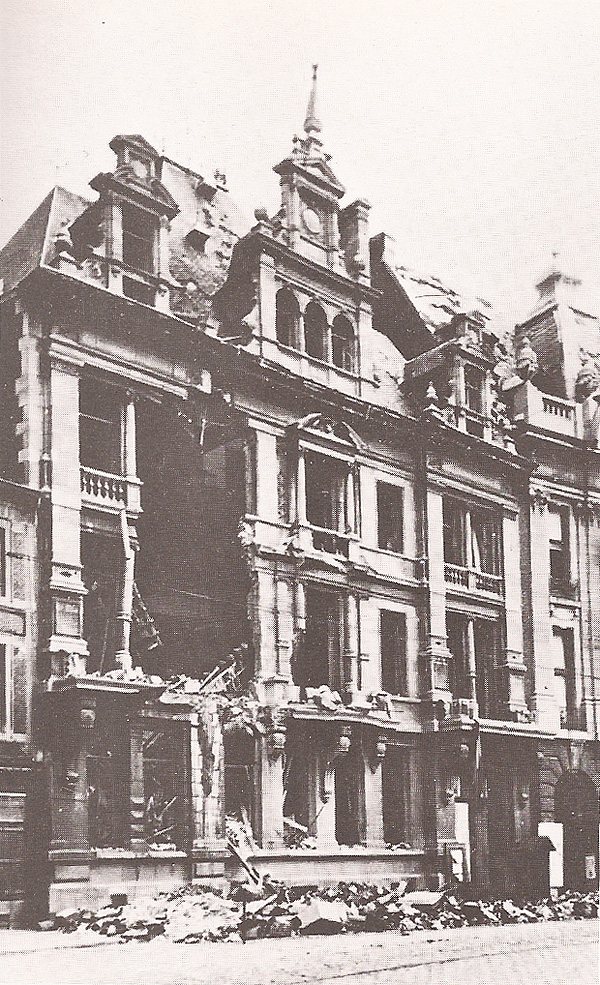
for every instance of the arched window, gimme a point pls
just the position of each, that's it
(315, 331)
(342, 343)
(286, 318)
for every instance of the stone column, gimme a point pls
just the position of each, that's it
(471, 661)
(271, 794)
(514, 667)
(267, 296)
(66, 585)
(266, 476)
(543, 649)
(435, 656)
(352, 643)
(136, 785)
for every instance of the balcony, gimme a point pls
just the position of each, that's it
(107, 490)
(472, 580)
(330, 541)
(542, 410)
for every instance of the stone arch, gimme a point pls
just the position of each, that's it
(287, 317)
(316, 331)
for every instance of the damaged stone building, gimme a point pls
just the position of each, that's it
(300, 551)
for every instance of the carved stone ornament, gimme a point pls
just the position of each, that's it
(526, 362)
(539, 499)
(588, 379)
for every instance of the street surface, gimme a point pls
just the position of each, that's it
(564, 953)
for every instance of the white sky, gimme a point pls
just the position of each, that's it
(472, 127)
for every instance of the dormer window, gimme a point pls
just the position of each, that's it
(474, 389)
(139, 236)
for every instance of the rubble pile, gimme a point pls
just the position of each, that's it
(193, 913)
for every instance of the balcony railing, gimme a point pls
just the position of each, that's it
(473, 581)
(107, 489)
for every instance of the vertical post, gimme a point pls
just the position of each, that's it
(373, 804)
(352, 638)
(136, 785)
(436, 652)
(124, 614)
(271, 795)
(471, 660)
(546, 713)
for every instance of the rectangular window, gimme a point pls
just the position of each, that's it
(320, 658)
(100, 427)
(564, 676)
(454, 533)
(390, 517)
(558, 533)
(326, 502)
(139, 233)
(472, 538)
(166, 778)
(476, 648)
(393, 652)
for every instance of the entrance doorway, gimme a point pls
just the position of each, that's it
(576, 808)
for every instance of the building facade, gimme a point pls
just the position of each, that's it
(315, 556)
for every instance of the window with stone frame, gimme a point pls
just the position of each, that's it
(327, 506)
(316, 332)
(320, 659)
(342, 343)
(350, 821)
(392, 629)
(139, 238)
(564, 676)
(100, 427)
(287, 318)
(558, 536)
(390, 517)
(481, 682)
(472, 537)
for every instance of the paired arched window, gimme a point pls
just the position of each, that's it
(342, 343)
(287, 316)
(316, 331)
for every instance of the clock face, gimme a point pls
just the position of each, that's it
(312, 221)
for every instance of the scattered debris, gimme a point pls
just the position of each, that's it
(194, 913)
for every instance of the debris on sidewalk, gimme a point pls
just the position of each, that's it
(195, 913)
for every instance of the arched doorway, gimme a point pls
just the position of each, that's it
(576, 808)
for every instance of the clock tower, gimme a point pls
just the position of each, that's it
(311, 193)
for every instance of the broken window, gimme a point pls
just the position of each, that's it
(287, 314)
(342, 343)
(564, 676)
(320, 659)
(296, 782)
(103, 565)
(139, 233)
(394, 780)
(472, 538)
(474, 400)
(393, 652)
(108, 783)
(316, 331)
(100, 427)
(476, 647)
(327, 507)
(166, 782)
(390, 517)
(558, 532)
(239, 768)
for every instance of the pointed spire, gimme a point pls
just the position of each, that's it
(312, 123)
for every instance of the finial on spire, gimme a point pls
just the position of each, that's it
(312, 123)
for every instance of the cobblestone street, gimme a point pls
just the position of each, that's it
(544, 954)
